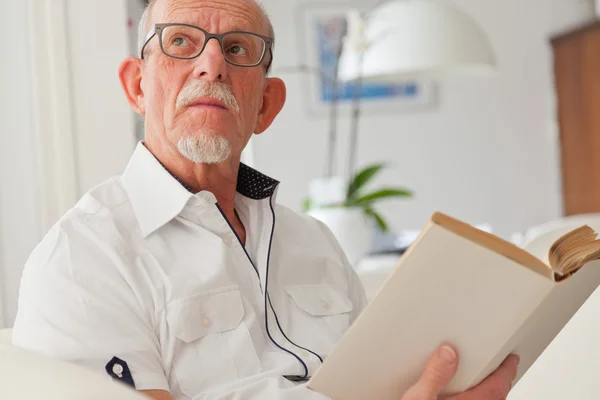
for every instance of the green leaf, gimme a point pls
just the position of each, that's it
(306, 204)
(362, 178)
(381, 224)
(368, 199)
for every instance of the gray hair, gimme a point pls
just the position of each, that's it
(144, 25)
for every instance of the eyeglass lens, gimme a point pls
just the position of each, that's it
(238, 48)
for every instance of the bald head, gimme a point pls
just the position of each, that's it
(146, 21)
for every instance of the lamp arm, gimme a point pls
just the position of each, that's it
(356, 113)
(333, 116)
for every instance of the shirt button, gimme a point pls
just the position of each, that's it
(118, 370)
(228, 239)
(325, 304)
(206, 322)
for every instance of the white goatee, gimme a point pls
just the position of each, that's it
(205, 149)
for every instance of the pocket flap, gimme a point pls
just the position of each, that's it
(209, 312)
(320, 300)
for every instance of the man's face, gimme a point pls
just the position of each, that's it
(165, 80)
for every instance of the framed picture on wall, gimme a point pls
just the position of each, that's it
(321, 27)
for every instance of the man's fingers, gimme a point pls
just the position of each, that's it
(439, 371)
(497, 385)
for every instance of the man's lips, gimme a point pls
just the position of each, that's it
(206, 102)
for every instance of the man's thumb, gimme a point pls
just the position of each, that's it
(438, 373)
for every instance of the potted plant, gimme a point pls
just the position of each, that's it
(353, 220)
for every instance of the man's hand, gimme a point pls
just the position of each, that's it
(442, 367)
(157, 394)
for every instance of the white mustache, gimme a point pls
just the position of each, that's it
(212, 90)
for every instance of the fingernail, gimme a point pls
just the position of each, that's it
(447, 354)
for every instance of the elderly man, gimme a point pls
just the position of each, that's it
(182, 277)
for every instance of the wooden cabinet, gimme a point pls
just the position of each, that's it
(577, 79)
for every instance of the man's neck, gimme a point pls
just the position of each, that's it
(219, 179)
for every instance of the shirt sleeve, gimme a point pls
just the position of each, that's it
(77, 302)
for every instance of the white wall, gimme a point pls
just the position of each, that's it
(18, 216)
(487, 153)
(101, 121)
(104, 123)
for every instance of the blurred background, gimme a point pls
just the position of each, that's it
(506, 151)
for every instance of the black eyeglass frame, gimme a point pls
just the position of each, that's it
(159, 28)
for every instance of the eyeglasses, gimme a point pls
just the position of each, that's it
(186, 42)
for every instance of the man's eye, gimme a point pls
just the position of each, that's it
(179, 41)
(237, 50)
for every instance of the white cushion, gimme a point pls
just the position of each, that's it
(25, 375)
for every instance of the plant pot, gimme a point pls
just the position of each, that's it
(352, 229)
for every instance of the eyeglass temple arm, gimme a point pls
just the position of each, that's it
(149, 36)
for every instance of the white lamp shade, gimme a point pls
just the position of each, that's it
(415, 38)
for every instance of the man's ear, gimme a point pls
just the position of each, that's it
(273, 101)
(130, 74)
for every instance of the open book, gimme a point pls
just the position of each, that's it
(459, 284)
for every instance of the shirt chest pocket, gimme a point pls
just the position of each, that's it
(319, 315)
(213, 345)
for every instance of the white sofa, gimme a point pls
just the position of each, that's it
(25, 375)
(6, 336)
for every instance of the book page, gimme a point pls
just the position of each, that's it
(573, 250)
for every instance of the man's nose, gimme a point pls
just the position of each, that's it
(211, 64)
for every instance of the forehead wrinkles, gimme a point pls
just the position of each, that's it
(246, 12)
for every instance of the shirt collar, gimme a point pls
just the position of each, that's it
(157, 196)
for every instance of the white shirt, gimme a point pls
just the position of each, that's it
(143, 270)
